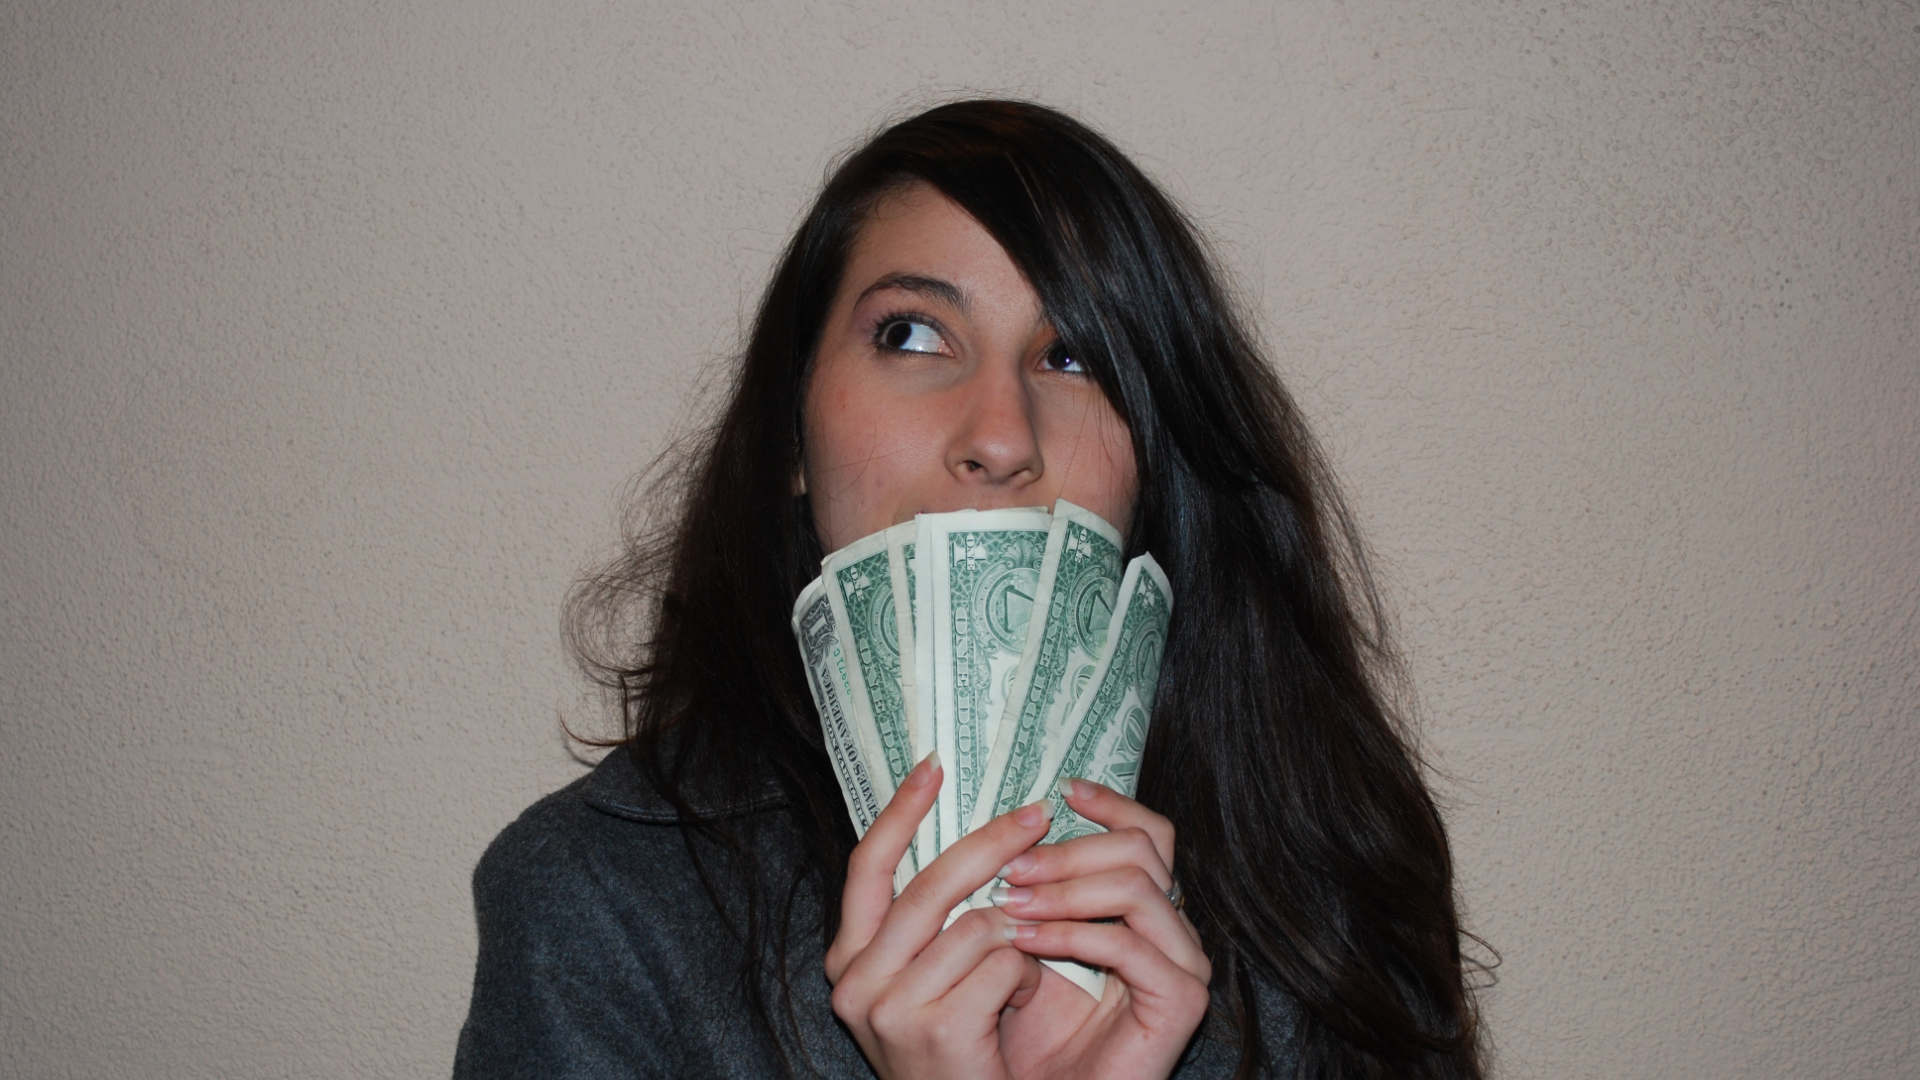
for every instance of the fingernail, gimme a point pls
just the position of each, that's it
(1012, 931)
(1034, 813)
(1023, 931)
(1064, 786)
(1001, 897)
(1021, 863)
(923, 772)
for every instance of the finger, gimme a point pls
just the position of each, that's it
(1127, 893)
(1104, 806)
(1005, 978)
(962, 1026)
(1165, 994)
(869, 889)
(1031, 976)
(920, 910)
(1091, 854)
(953, 955)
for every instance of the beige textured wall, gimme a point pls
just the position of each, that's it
(329, 332)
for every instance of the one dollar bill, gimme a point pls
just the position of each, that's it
(983, 571)
(1108, 730)
(832, 687)
(1078, 588)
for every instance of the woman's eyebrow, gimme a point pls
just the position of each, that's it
(944, 291)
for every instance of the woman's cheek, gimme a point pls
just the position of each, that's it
(1125, 486)
(855, 480)
(1099, 465)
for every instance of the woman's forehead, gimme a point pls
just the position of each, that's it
(918, 240)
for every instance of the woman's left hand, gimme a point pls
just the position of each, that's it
(1156, 993)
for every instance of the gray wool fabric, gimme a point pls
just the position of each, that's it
(601, 955)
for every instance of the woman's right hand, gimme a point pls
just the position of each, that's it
(920, 1002)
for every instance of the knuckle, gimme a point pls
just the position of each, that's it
(1141, 844)
(1164, 832)
(846, 1002)
(1192, 998)
(1003, 959)
(887, 1017)
(971, 927)
(1140, 882)
(939, 1029)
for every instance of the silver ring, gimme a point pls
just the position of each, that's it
(1177, 896)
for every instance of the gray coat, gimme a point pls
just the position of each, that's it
(602, 956)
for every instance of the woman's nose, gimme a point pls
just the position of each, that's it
(995, 441)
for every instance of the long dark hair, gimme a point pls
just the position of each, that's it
(1314, 856)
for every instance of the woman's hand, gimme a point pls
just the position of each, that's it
(922, 1003)
(1156, 994)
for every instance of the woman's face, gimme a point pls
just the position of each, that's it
(939, 386)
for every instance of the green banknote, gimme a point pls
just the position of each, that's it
(1108, 729)
(927, 843)
(832, 686)
(1078, 586)
(901, 545)
(982, 574)
(900, 549)
(860, 587)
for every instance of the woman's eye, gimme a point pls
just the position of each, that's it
(1058, 359)
(905, 335)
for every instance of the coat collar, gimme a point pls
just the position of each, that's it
(616, 786)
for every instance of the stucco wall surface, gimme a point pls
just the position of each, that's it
(330, 332)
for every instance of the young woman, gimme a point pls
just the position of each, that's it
(988, 306)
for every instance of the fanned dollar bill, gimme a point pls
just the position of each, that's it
(983, 575)
(859, 586)
(900, 550)
(1076, 595)
(1108, 728)
(832, 686)
(928, 842)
